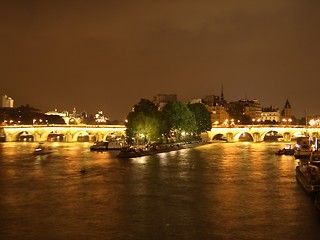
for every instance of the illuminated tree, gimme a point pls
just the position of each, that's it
(143, 122)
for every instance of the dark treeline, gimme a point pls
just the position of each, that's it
(27, 115)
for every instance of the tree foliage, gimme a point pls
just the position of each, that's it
(179, 117)
(202, 117)
(175, 120)
(143, 121)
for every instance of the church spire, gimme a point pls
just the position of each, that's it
(287, 105)
(287, 109)
(222, 97)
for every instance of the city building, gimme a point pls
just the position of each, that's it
(161, 100)
(217, 107)
(100, 118)
(286, 112)
(271, 114)
(75, 118)
(219, 115)
(211, 100)
(7, 102)
(195, 100)
(64, 115)
(252, 108)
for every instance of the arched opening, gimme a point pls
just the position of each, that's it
(245, 137)
(25, 137)
(56, 137)
(296, 135)
(114, 137)
(83, 137)
(272, 136)
(219, 138)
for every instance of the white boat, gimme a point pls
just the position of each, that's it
(42, 149)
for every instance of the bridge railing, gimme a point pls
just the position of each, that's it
(265, 126)
(62, 125)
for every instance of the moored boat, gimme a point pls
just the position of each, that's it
(303, 148)
(99, 146)
(139, 151)
(308, 175)
(287, 150)
(106, 145)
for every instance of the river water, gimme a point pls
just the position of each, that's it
(216, 191)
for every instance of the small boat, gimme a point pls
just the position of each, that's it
(106, 145)
(287, 150)
(308, 175)
(42, 149)
(303, 148)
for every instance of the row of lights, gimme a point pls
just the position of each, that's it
(314, 122)
(10, 122)
(39, 121)
(287, 121)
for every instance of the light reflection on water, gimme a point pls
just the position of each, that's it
(217, 191)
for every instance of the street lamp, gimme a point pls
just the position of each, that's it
(284, 121)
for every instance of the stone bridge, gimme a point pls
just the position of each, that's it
(258, 133)
(68, 133)
(73, 133)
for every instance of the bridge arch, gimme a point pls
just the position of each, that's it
(22, 136)
(113, 136)
(52, 136)
(219, 137)
(82, 134)
(244, 136)
(272, 135)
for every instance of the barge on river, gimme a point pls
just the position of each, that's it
(132, 152)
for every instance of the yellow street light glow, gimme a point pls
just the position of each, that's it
(312, 122)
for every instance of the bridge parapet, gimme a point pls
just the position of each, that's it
(258, 133)
(70, 132)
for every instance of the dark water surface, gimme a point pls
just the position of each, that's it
(217, 191)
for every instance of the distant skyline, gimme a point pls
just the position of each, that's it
(107, 55)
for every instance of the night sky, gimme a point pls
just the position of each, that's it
(107, 55)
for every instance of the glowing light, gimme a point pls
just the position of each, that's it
(312, 122)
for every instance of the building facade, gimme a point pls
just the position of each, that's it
(7, 102)
(271, 114)
(161, 100)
